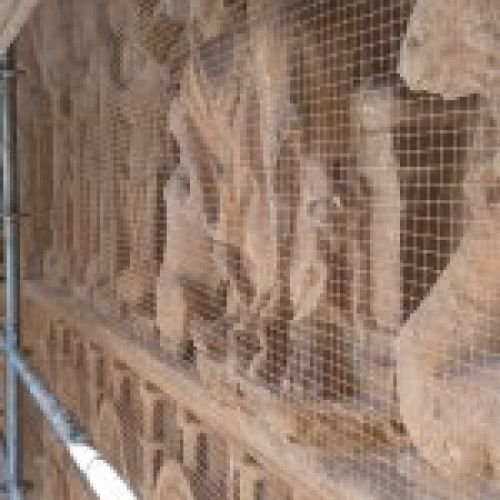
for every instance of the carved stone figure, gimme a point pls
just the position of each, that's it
(375, 111)
(187, 275)
(57, 265)
(275, 216)
(229, 190)
(144, 104)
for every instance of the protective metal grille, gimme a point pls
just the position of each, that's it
(263, 241)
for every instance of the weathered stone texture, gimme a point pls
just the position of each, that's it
(234, 207)
(447, 350)
(451, 47)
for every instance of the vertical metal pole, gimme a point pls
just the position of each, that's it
(12, 272)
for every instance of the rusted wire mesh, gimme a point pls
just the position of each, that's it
(263, 241)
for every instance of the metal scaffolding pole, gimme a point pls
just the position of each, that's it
(12, 270)
(100, 476)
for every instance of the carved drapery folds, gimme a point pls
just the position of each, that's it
(252, 198)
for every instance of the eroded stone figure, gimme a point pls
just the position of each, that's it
(143, 106)
(274, 214)
(448, 372)
(226, 194)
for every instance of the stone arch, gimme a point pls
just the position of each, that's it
(110, 436)
(172, 483)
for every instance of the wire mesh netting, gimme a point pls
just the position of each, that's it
(289, 211)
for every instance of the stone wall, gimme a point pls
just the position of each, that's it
(235, 209)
